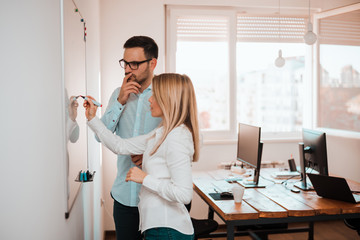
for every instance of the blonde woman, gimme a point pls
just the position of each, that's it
(167, 155)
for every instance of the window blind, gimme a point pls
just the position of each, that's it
(343, 29)
(202, 28)
(249, 28)
(270, 29)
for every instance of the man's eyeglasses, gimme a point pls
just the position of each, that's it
(133, 65)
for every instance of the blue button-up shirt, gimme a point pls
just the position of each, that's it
(129, 120)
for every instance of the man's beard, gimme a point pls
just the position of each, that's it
(141, 80)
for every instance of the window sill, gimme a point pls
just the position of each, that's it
(282, 137)
(264, 140)
(219, 142)
(340, 133)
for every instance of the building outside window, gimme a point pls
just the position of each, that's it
(339, 72)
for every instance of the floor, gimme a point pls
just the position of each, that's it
(330, 230)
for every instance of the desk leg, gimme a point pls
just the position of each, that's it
(210, 213)
(311, 230)
(230, 231)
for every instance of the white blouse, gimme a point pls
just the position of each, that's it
(168, 185)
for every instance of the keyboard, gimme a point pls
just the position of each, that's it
(222, 186)
(286, 175)
(221, 174)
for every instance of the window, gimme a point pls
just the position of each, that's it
(230, 59)
(269, 96)
(339, 77)
(206, 38)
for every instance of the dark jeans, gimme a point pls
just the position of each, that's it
(126, 222)
(164, 233)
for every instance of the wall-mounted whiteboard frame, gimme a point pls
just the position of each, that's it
(73, 84)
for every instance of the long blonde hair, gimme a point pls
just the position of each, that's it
(175, 96)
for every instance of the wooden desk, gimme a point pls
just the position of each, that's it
(273, 204)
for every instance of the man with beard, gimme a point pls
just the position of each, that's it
(128, 115)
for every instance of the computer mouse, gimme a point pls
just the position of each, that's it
(295, 190)
(226, 195)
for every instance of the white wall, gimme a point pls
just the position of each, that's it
(123, 19)
(344, 156)
(32, 180)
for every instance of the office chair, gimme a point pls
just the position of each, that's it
(202, 227)
(353, 224)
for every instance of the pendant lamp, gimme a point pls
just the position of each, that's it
(279, 61)
(310, 37)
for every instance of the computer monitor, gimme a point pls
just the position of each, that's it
(313, 156)
(249, 150)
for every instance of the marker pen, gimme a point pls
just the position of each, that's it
(95, 102)
(81, 176)
(86, 98)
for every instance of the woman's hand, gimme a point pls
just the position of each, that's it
(90, 108)
(135, 174)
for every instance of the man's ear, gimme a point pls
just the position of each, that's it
(153, 63)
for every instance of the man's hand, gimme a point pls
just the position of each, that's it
(137, 160)
(127, 88)
(135, 174)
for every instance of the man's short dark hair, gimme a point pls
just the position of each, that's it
(147, 43)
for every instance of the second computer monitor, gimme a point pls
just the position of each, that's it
(315, 151)
(249, 150)
(313, 156)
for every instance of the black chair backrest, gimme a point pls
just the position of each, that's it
(188, 206)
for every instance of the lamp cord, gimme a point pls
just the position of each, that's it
(279, 20)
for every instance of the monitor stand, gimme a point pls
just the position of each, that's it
(250, 185)
(302, 186)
